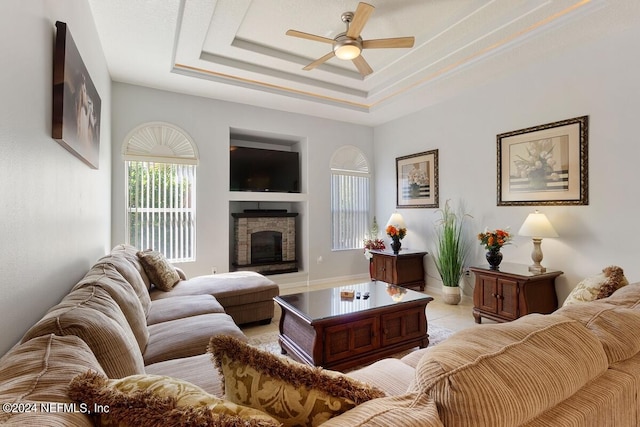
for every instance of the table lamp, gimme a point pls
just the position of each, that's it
(537, 226)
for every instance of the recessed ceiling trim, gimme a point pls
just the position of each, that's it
(273, 88)
(278, 74)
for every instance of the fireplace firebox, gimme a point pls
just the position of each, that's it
(265, 241)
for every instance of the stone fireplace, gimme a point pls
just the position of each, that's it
(265, 241)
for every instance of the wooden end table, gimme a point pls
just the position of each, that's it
(321, 328)
(405, 268)
(512, 291)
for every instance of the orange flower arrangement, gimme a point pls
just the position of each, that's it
(494, 239)
(395, 232)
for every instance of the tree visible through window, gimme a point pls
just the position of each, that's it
(350, 198)
(161, 211)
(161, 165)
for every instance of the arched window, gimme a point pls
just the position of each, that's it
(161, 162)
(350, 198)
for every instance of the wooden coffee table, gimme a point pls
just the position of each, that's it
(321, 328)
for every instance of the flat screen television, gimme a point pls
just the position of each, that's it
(258, 169)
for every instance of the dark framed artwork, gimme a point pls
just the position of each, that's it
(544, 165)
(417, 180)
(76, 103)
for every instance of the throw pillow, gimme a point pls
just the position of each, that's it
(154, 400)
(293, 393)
(160, 271)
(599, 286)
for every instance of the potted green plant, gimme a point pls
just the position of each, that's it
(451, 252)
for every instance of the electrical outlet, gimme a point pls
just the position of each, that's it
(467, 272)
(214, 270)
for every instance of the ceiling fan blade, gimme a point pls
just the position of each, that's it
(388, 43)
(319, 61)
(360, 17)
(300, 34)
(362, 66)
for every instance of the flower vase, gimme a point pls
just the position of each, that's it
(395, 245)
(494, 258)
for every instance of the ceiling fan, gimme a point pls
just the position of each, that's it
(349, 44)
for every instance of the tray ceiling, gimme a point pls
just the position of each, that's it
(237, 50)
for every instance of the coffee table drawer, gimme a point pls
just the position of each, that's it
(352, 338)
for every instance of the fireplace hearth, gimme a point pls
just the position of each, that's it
(265, 241)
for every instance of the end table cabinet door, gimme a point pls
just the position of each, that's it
(508, 291)
(485, 293)
(383, 268)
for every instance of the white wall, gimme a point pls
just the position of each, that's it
(56, 211)
(598, 78)
(208, 122)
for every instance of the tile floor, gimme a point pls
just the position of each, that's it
(454, 317)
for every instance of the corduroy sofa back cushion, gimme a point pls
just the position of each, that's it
(505, 375)
(617, 328)
(131, 274)
(107, 277)
(129, 252)
(92, 315)
(39, 371)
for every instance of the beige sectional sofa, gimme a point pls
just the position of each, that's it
(579, 366)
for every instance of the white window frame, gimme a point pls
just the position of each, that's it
(162, 211)
(350, 198)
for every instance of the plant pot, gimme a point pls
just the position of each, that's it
(451, 295)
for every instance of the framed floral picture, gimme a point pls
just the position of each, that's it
(417, 180)
(544, 165)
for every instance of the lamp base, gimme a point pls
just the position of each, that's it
(537, 269)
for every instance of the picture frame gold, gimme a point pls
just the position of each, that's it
(417, 180)
(544, 165)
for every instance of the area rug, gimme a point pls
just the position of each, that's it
(269, 340)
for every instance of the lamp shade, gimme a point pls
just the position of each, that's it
(537, 225)
(396, 220)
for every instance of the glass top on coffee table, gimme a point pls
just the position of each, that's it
(327, 303)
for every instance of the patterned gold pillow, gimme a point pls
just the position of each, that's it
(599, 286)
(293, 393)
(154, 400)
(160, 271)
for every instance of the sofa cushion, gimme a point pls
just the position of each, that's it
(129, 252)
(236, 288)
(160, 271)
(604, 320)
(507, 374)
(197, 370)
(40, 370)
(131, 275)
(610, 400)
(389, 375)
(599, 286)
(627, 296)
(407, 410)
(108, 278)
(91, 314)
(143, 400)
(187, 337)
(163, 310)
(293, 393)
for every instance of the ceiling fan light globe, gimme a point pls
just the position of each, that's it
(347, 49)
